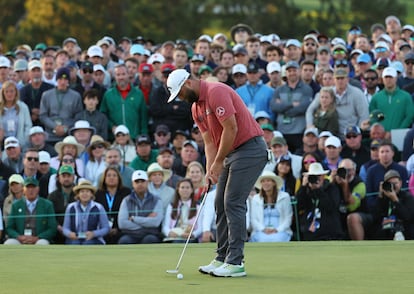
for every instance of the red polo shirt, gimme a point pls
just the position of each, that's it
(216, 103)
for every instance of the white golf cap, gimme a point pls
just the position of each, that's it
(272, 67)
(121, 129)
(139, 175)
(239, 68)
(95, 50)
(333, 141)
(156, 57)
(97, 67)
(175, 81)
(44, 157)
(389, 72)
(4, 62)
(35, 64)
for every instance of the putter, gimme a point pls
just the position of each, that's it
(176, 270)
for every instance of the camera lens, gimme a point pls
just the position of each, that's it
(341, 172)
(313, 179)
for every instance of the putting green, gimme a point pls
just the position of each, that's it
(296, 267)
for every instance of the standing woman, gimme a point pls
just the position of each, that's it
(15, 117)
(271, 211)
(110, 194)
(181, 214)
(85, 221)
(195, 172)
(96, 163)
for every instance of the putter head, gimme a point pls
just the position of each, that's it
(174, 271)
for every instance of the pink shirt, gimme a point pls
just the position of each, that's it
(216, 103)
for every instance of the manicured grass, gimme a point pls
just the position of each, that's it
(302, 267)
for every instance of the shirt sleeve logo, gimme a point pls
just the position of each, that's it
(220, 111)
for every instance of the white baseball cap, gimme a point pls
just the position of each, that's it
(44, 157)
(389, 71)
(239, 68)
(121, 129)
(95, 50)
(175, 81)
(4, 62)
(156, 57)
(333, 141)
(139, 175)
(34, 64)
(272, 67)
(100, 67)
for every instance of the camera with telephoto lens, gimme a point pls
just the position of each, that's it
(313, 179)
(387, 186)
(342, 172)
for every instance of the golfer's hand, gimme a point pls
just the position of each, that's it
(215, 171)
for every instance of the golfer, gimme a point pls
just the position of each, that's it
(236, 155)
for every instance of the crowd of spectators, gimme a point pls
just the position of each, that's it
(92, 153)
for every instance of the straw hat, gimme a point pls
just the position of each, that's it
(69, 140)
(155, 167)
(85, 184)
(266, 174)
(96, 140)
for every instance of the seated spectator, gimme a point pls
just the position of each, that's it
(62, 196)
(195, 172)
(110, 194)
(124, 144)
(37, 140)
(157, 177)
(83, 132)
(53, 180)
(85, 221)
(310, 141)
(113, 158)
(165, 159)
(140, 214)
(318, 206)
(307, 160)
(91, 113)
(270, 211)
(333, 148)
(188, 154)
(16, 182)
(178, 139)
(162, 136)
(145, 154)
(353, 147)
(374, 156)
(208, 218)
(353, 206)
(283, 169)
(32, 218)
(13, 156)
(394, 209)
(181, 214)
(31, 165)
(70, 146)
(96, 164)
(5, 174)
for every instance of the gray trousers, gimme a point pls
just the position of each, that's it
(241, 169)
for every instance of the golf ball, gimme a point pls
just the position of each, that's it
(180, 276)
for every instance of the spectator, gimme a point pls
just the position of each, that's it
(396, 104)
(189, 153)
(110, 194)
(113, 158)
(310, 142)
(124, 104)
(32, 92)
(240, 33)
(195, 172)
(82, 131)
(273, 70)
(96, 164)
(318, 206)
(5, 173)
(124, 144)
(239, 75)
(92, 115)
(31, 220)
(374, 156)
(67, 159)
(333, 148)
(14, 114)
(16, 183)
(181, 214)
(31, 165)
(14, 156)
(325, 117)
(69, 146)
(307, 72)
(283, 169)
(289, 105)
(148, 84)
(140, 214)
(292, 51)
(145, 154)
(394, 209)
(85, 221)
(157, 184)
(353, 147)
(350, 103)
(162, 137)
(58, 107)
(165, 159)
(87, 83)
(37, 140)
(271, 211)
(371, 84)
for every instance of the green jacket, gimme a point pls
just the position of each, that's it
(45, 221)
(397, 107)
(131, 111)
(139, 164)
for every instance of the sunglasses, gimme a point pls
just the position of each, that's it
(120, 135)
(341, 62)
(67, 160)
(309, 161)
(337, 52)
(90, 71)
(408, 62)
(161, 134)
(310, 44)
(370, 78)
(351, 136)
(99, 146)
(36, 159)
(380, 49)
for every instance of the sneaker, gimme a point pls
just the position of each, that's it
(229, 270)
(207, 269)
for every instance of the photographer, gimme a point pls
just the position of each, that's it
(354, 213)
(318, 206)
(394, 209)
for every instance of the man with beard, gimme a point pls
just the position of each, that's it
(32, 92)
(113, 158)
(233, 140)
(125, 104)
